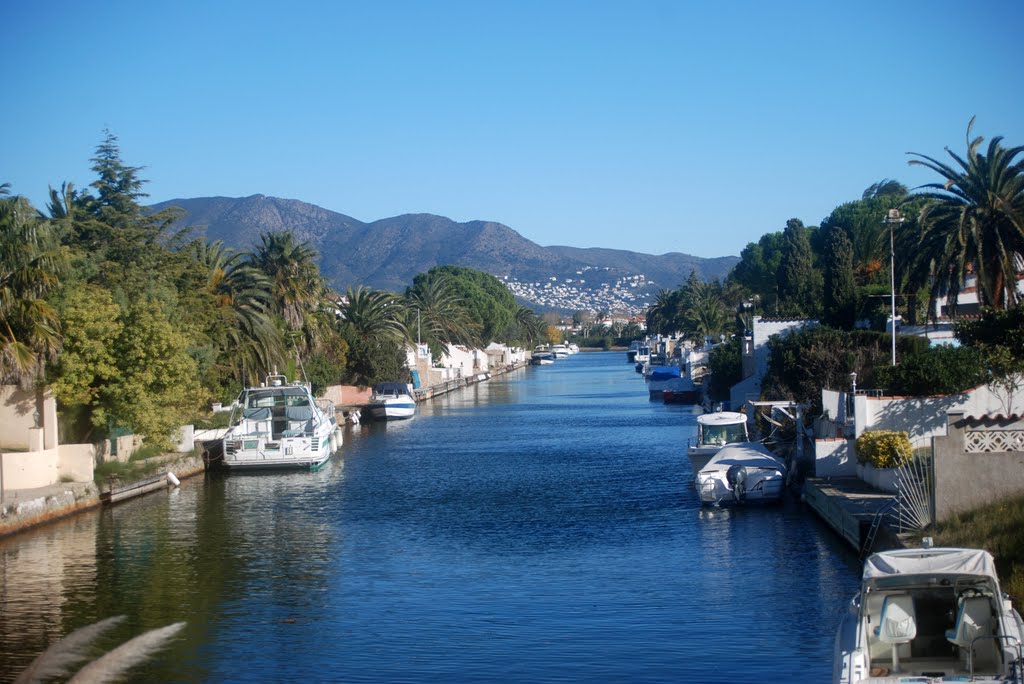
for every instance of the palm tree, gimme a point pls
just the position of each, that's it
(531, 326)
(31, 265)
(375, 316)
(663, 315)
(251, 343)
(439, 314)
(973, 222)
(706, 315)
(296, 283)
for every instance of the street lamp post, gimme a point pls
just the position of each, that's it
(893, 218)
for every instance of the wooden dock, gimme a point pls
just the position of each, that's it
(849, 506)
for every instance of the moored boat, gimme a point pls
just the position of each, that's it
(280, 425)
(391, 401)
(542, 358)
(560, 351)
(929, 615)
(714, 431)
(662, 378)
(741, 473)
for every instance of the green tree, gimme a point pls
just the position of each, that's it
(121, 244)
(758, 269)
(973, 222)
(726, 365)
(799, 282)
(372, 324)
(31, 266)
(439, 316)
(157, 388)
(238, 321)
(488, 301)
(663, 315)
(87, 365)
(840, 305)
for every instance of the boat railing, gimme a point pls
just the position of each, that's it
(1014, 643)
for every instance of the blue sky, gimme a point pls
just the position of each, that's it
(651, 126)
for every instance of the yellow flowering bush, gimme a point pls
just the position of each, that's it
(884, 448)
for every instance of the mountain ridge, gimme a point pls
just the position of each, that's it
(389, 252)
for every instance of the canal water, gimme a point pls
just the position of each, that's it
(539, 527)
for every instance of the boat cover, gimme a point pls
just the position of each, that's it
(749, 454)
(722, 418)
(665, 372)
(936, 561)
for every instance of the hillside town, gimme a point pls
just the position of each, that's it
(630, 293)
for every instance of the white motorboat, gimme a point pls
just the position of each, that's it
(542, 358)
(643, 354)
(714, 431)
(929, 615)
(573, 348)
(280, 425)
(391, 401)
(560, 351)
(741, 473)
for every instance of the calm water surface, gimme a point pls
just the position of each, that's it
(535, 528)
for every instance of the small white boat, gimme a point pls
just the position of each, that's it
(280, 425)
(929, 615)
(643, 354)
(391, 401)
(573, 348)
(714, 431)
(542, 358)
(560, 351)
(741, 473)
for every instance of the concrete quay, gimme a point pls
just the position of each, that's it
(24, 509)
(851, 507)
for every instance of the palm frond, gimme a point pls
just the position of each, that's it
(126, 656)
(57, 660)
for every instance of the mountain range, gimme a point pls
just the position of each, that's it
(388, 253)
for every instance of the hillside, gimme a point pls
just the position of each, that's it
(388, 253)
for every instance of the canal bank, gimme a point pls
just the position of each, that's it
(24, 509)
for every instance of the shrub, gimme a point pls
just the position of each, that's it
(884, 448)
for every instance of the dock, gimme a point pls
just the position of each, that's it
(851, 507)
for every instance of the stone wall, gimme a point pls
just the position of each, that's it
(966, 478)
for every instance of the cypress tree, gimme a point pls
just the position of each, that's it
(840, 292)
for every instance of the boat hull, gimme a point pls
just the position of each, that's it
(392, 411)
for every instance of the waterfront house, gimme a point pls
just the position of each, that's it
(974, 441)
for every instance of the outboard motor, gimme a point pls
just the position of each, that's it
(736, 476)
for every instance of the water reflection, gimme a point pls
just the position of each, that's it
(534, 528)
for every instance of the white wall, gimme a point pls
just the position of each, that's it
(834, 458)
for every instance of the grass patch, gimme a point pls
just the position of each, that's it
(998, 528)
(221, 419)
(138, 467)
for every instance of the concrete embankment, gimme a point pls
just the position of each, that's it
(23, 509)
(858, 512)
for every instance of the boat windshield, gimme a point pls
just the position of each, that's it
(724, 434)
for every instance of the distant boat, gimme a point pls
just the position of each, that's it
(662, 377)
(682, 391)
(391, 401)
(741, 473)
(714, 431)
(643, 354)
(573, 348)
(560, 351)
(542, 357)
(280, 425)
(631, 352)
